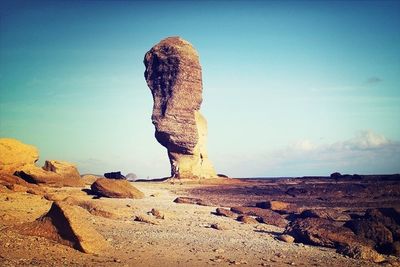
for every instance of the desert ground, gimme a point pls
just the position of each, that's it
(183, 235)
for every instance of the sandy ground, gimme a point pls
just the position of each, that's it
(183, 238)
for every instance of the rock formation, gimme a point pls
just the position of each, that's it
(112, 188)
(15, 155)
(67, 225)
(19, 159)
(173, 74)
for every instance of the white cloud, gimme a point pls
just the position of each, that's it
(304, 145)
(366, 140)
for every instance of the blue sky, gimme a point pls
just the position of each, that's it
(291, 88)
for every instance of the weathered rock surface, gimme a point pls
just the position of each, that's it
(226, 213)
(15, 155)
(376, 231)
(173, 74)
(358, 251)
(247, 219)
(36, 175)
(17, 184)
(65, 169)
(286, 238)
(68, 225)
(115, 189)
(263, 215)
(380, 227)
(320, 232)
(330, 214)
(190, 200)
(279, 206)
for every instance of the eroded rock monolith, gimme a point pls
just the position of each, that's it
(173, 74)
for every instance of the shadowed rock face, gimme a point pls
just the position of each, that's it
(173, 74)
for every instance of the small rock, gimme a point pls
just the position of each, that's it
(286, 238)
(158, 214)
(190, 200)
(219, 226)
(145, 218)
(225, 212)
(247, 219)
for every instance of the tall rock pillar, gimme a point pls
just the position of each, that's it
(173, 74)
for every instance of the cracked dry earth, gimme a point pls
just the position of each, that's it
(183, 238)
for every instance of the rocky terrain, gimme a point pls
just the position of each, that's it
(53, 217)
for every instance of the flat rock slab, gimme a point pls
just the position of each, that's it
(67, 225)
(264, 215)
(104, 187)
(190, 200)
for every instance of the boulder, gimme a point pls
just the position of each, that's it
(114, 175)
(67, 225)
(65, 169)
(263, 215)
(279, 206)
(286, 238)
(320, 232)
(190, 200)
(94, 207)
(389, 217)
(373, 230)
(247, 219)
(104, 187)
(16, 183)
(225, 212)
(173, 74)
(36, 175)
(361, 252)
(15, 155)
(330, 214)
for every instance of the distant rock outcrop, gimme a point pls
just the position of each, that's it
(15, 155)
(104, 187)
(114, 175)
(173, 74)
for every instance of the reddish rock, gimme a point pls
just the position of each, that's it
(226, 213)
(263, 215)
(330, 214)
(115, 189)
(190, 200)
(373, 230)
(361, 252)
(320, 232)
(278, 206)
(17, 184)
(247, 219)
(286, 238)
